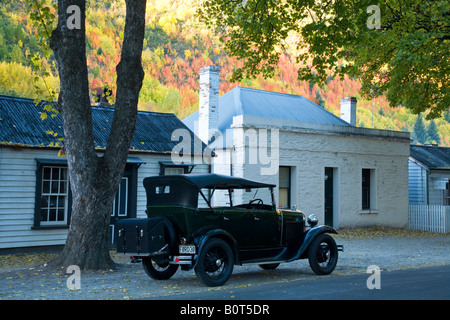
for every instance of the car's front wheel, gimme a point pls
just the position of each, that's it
(215, 263)
(158, 271)
(323, 254)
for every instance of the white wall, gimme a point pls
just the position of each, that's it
(310, 148)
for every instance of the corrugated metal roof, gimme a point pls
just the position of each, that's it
(431, 156)
(20, 124)
(284, 106)
(268, 104)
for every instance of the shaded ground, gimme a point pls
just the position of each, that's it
(24, 276)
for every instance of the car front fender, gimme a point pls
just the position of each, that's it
(202, 238)
(309, 238)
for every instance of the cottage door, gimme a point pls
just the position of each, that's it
(329, 196)
(120, 206)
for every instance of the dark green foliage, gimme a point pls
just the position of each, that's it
(405, 57)
(433, 134)
(419, 134)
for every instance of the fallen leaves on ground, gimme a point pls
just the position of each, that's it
(375, 231)
(24, 260)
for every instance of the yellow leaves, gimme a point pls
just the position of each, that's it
(172, 286)
(54, 134)
(188, 54)
(12, 261)
(62, 153)
(22, 80)
(358, 233)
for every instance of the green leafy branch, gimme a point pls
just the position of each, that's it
(44, 21)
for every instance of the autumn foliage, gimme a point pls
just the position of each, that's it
(176, 46)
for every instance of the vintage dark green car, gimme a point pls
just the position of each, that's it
(183, 229)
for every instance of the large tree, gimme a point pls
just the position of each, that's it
(94, 177)
(399, 48)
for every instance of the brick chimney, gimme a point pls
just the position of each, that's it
(208, 111)
(348, 109)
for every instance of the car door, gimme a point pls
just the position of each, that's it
(238, 222)
(265, 228)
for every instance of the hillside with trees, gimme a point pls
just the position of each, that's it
(176, 46)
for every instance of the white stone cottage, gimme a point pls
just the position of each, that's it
(35, 192)
(321, 164)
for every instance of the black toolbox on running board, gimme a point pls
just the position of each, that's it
(139, 236)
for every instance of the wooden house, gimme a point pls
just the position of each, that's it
(35, 196)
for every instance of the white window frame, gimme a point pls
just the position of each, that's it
(59, 195)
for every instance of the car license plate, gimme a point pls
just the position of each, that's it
(187, 249)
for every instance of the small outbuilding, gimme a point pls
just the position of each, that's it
(429, 195)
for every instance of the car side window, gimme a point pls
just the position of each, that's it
(162, 189)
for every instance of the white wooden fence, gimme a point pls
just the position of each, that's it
(432, 218)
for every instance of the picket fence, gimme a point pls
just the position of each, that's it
(433, 218)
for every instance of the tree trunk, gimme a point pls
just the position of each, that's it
(94, 179)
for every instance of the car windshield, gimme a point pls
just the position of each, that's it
(249, 198)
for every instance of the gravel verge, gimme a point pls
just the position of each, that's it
(25, 277)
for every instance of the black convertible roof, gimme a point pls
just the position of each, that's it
(210, 181)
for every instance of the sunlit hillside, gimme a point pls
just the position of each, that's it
(176, 46)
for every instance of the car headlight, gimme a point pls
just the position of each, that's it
(312, 220)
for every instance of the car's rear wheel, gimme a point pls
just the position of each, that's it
(159, 270)
(323, 254)
(215, 263)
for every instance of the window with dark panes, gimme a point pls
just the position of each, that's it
(366, 189)
(284, 187)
